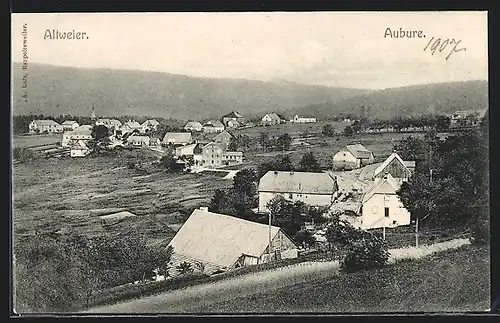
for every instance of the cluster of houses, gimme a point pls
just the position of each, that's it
(222, 242)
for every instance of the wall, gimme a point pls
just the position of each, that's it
(212, 156)
(311, 199)
(373, 212)
(396, 169)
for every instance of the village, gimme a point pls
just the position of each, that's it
(360, 189)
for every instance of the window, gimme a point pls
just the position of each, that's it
(374, 209)
(386, 212)
(394, 222)
(291, 196)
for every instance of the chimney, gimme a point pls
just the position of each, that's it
(204, 208)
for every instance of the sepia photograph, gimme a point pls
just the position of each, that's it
(250, 163)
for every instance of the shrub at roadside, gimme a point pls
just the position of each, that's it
(367, 253)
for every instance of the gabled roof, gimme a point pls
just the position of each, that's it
(298, 182)
(213, 144)
(138, 138)
(234, 122)
(385, 185)
(273, 116)
(84, 127)
(358, 151)
(68, 122)
(234, 114)
(193, 124)
(220, 239)
(46, 122)
(133, 124)
(224, 133)
(177, 137)
(151, 122)
(406, 164)
(214, 123)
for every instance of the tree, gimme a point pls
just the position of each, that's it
(369, 252)
(284, 141)
(309, 163)
(244, 182)
(328, 131)
(264, 140)
(348, 131)
(169, 162)
(184, 268)
(279, 163)
(233, 144)
(100, 139)
(442, 123)
(304, 238)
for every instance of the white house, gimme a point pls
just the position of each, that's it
(69, 125)
(381, 206)
(177, 138)
(193, 126)
(110, 123)
(232, 158)
(315, 189)
(131, 126)
(222, 242)
(79, 149)
(399, 169)
(354, 156)
(298, 119)
(44, 126)
(78, 134)
(270, 119)
(213, 126)
(139, 141)
(150, 125)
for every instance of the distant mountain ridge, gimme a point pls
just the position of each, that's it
(55, 90)
(439, 98)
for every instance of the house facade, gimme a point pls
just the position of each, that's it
(213, 126)
(270, 119)
(298, 119)
(223, 138)
(222, 242)
(150, 125)
(381, 206)
(110, 123)
(78, 134)
(316, 189)
(177, 138)
(232, 158)
(233, 124)
(193, 126)
(398, 168)
(212, 155)
(44, 126)
(139, 141)
(235, 116)
(70, 125)
(79, 149)
(353, 156)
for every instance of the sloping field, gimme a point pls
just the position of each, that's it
(35, 140)
(453, 280)
(53, 194)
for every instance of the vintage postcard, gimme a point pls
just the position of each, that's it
(250, 163)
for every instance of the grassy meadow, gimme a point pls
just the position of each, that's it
(61, 193)
(35, 140)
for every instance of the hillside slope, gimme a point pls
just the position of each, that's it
(442, 98)
(55, 90)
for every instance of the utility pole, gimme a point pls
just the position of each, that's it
(270, 236)
(416, 233)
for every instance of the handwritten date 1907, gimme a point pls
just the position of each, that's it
(441, 45)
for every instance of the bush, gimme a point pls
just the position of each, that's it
(481, 232)
(366, 253)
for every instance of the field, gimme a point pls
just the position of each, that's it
(35, 140)
(451, 281)
(293, 129)
(58, 194)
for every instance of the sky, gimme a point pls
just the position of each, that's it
(341, 49)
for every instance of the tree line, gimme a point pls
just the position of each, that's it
(450, 186)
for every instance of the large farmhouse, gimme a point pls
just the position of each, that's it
(44, 126)
(315, 189)
(270, 119)
(221, 242)
(193, 126)
(177, 138)
(77, 134)
(353, 156)
(381, 206)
